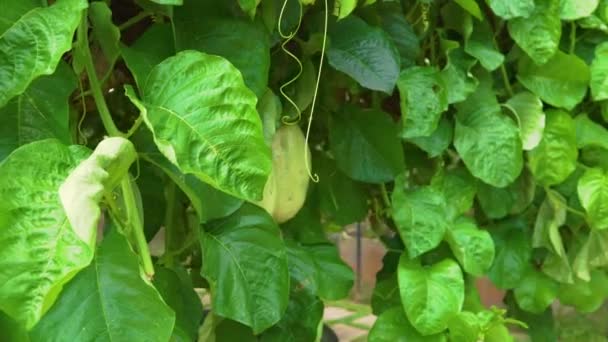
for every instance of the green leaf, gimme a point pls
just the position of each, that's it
(204, 121)
(535, 292)
(249, 6)
(472, 246)
(432, 294)
(168, 2)
(40, 112)
(143, 55)
(599, 73)
(423, 99)
(481, 45)
(300, 321)
(364, 53)
(509, 9)
(392, 326)
(458, 187)
(538, 34)
(561, 82)
(245, 250)
(176, 289)
(589, 133)
(488, 141)
(40, 250)
(436, 143)
(470, 6)
(531, 118)
(554, 159)
(226, 37)
(460, 83)
(495, 202)
(593, 195)
(576, 9)
(108, 301)
(104, 30)
(513, 252)
(386, 294)
(342, 8)
(464, 327)
(320, 269)
(420, 216)
(400, 33)
(366, 145)
(585, 296)
(22, 59)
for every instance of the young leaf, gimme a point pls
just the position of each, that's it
(40, 250)
(423, 98)
(40, 112)
(539, 34)
(189, 102)
(535, 292)
(430, 295)
(593, 194)
(599, 73)
(108, 300)
(22, 59)
(472, 246)
(392, 326)
(365, 53)
(342, 8)
(421, 217)
(245, 250)
(529, 110)
(509, 9)
(561, 82)
(366, 145)
(554, 159)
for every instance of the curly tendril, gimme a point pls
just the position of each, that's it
(287, 38)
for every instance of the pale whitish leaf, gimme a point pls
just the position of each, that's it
(365, 53)
(554, 159)
(539, 34)
(593, 195)
(246, 251)
(22, 59)
(205, 122)
(561, 82)
(529, 110)
(40, 112)
(40, 250)
(108, 301)
(429, 314)
(599, 73)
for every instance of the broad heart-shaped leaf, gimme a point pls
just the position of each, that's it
(529, 110)
(23, 59)
(95, 176)
(593, 195)
(585, 296)
(554, 159)
(481, 45)
(599, 73)
(472, 246)
(243, 42)
(146, 53)
(40, 112)
(513, 252)
(40, 250)
(366, 145)
(205, 122)
(535, 292)
(589, 133)
(342, 8)
(423, 98)
(458, 187)
(421, 217)
(108, 301)
(577, 9)
(245, 262)
(508, 9)
(430, 295)
(319, 268)
(495, 202)
(400, 31)
(392, 326)
(175, 287)
(561, 82)
(364, 53)
(436, 143)
(539, 34)
(487, 140)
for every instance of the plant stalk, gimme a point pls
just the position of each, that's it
(169, 220)
(136, 226)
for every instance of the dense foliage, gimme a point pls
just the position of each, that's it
(470, 135)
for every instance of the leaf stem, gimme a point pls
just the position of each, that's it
(505, 79)
(135, 126)
(385, 198)
(100, 102)
(572, 37)
(169, 220)
(134, 20)
(136, 226)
